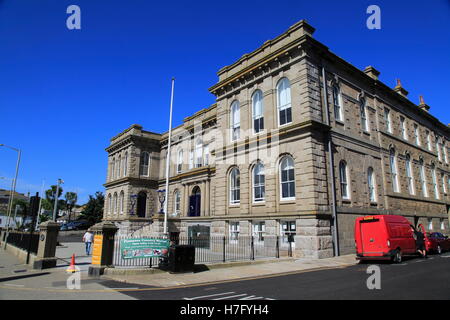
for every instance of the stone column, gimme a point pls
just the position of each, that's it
(102, 255)
(48, 238)
(203, 199)
(207, 196)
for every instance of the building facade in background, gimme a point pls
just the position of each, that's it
(298, 144)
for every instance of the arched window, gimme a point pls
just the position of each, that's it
(409, 175)
(119, 163)
(235, 186)
(393, 167)
(423, 178)
(235, 121)
(287, 178)
(121, 202)
(371, 185)
(258, 111)
(343, 177)
(284, 102)
(198, 153)
(115, 203)
(113, 166)
(259, 189)
(177, 202)
(362, 111)
(180, 161)
(125, 163)
(435, 184)
(144, 165)
(337, 103)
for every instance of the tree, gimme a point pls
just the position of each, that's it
(93, 210)
(50, 195)
(71, 200)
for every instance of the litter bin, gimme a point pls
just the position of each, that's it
(181, 258)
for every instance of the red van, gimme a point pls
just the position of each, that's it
(385, 237)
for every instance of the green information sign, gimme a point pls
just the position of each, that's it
(144, 248)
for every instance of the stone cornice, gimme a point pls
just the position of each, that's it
(153, 184)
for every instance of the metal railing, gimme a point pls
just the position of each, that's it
(214, 250)
(24, 239)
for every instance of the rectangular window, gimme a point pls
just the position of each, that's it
(403, 128)
(438, 150)
(259, 230)
(387, 120)
(429, 141)
(423, 181)
(337, 103)
(444, 185)
(364, 123)
(416, 135)
(234, 230)
(435, 184)
(288, 231)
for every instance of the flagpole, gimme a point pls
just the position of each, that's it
(168, 161)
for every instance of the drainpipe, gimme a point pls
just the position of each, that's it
(334, 222)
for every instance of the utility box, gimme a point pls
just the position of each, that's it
(181, 259)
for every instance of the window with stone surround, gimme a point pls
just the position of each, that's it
(234, 230)
(235, 186)
(343, 175)
(337, 101)
(371, 185)
(258, 111)
(235, 121)
(434, 180)
(144, 164)
(259, 189)
(287, 178)
(387, 120)
(284, 102)
(393, 168)
(363, 115)
(409, 174)
(423, 179)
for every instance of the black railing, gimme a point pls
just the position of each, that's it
(22, 240)
(214, 250)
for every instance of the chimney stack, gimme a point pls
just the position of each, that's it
(400, 90)
(372, 72)
(423, 105)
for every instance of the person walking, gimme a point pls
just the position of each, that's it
(420, 243)
(87, 239)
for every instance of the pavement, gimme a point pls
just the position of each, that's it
(20, 281)
(241, 271)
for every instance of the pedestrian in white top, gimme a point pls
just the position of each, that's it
(87, 239)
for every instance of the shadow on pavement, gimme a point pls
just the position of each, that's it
(24, 276)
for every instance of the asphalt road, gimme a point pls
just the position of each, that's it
(413, 279)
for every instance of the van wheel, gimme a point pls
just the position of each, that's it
(439, 249)
(398, 256)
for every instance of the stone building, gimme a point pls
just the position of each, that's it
(298, 144)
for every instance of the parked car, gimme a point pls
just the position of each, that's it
(437, 242)
(81, 225)
(384, 237)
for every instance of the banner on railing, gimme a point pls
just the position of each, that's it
(144, 248)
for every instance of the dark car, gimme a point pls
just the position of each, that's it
(81, 225)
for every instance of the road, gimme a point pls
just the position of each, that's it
(413, 279)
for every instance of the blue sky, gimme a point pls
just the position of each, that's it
(64, 94)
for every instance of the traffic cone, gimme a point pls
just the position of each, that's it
(72, 267)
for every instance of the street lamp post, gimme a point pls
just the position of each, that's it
(13, 191)
(55, 208)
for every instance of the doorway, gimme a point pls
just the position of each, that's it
(195, 202)
(141, 204)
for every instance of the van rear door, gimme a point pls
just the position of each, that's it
(372, 232)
